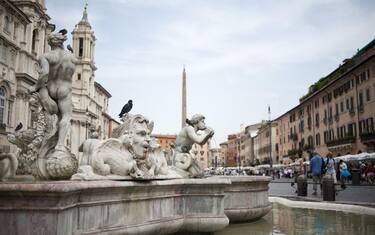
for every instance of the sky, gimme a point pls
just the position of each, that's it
(241, 56)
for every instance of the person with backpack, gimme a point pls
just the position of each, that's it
(316, 164)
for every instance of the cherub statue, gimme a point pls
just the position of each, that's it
(195, 132)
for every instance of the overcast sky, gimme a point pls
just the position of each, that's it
(240, 55)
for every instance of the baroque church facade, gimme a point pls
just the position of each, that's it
(24, 28)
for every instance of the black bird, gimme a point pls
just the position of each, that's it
(69, 47)
(63, 31)
(126, 109)
(19, 127)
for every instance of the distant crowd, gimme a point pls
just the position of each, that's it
(341, 171)
(318, 166)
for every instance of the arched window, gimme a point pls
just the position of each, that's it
(34, 41)
(2, 105)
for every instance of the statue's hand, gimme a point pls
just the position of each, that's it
(210, 131)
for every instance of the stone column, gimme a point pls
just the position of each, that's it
(183, 111)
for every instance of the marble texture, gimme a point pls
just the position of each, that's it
(361, 210)
(196, 132)
(131, 152)
(178, 206)
(8, 166)
(246, 198)
(186, 206)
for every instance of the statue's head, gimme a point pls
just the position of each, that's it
(57, 39)
(136, 134)
(198, 121)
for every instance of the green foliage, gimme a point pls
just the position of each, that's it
(316, 87)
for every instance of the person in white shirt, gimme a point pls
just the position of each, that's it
(330, 166)
(343, 171)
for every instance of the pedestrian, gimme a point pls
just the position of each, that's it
(370, 173)
(344, 173)
(316, 164)
(330, 167)
(362, 169)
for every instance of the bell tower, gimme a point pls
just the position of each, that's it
(85, 111)
(84, 40)
(84, 50)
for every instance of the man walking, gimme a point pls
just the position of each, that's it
(330, 167)
(316, 164)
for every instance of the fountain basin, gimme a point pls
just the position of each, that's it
(246, 198)
(308, 218)
(179, 206)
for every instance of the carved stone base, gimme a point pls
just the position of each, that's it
(58, 165)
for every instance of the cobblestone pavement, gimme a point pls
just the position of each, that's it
(361, 195)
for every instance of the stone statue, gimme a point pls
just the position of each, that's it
(42, 151)
(55, 84)
(130, 153)
(195, 132)
(8, 166)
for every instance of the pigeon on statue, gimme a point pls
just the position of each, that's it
(19, 127)
(63, 31)
(126, 109)
(69, 47)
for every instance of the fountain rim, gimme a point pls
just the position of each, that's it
(355, 209)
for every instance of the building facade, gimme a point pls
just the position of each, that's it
(200, 152)
(232, 159)
(223, 153)
(267, 149)
(24, 29)
(247, 145)
(165, 141)
(23, 38)
(337, 114)
(214, 157)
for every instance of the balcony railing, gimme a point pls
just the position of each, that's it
(342, 141)
(337, 117)
(368, 136)
(293, 136)
(351, 111)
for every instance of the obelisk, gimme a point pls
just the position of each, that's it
(183, 111)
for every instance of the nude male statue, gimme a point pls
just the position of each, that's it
(55, 84)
